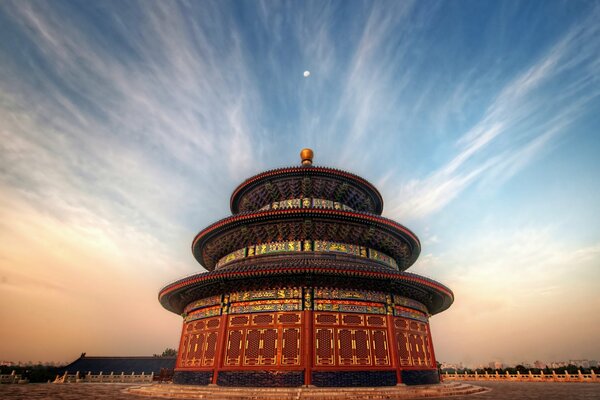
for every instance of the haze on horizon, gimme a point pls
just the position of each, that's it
(125, 126)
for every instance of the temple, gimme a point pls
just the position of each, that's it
(306, 286)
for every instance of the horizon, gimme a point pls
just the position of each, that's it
(126, 126)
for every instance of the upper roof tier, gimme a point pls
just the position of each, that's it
(306, 181)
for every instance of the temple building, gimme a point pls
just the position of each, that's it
(306, 285)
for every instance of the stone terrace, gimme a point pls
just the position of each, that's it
(499, 390)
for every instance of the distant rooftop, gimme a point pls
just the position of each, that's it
(127, 365)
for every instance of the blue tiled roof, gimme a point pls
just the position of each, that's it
(106, 365)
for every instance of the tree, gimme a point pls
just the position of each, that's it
(169, 352)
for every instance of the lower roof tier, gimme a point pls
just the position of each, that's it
(362, 229)
(306, 272)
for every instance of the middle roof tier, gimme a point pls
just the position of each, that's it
(307, 224)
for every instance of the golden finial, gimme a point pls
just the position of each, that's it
(306, 155)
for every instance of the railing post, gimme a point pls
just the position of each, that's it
(567, 376)
(554, 377)
(580, 375)
(594, 377)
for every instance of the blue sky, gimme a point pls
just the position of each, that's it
(125, 126)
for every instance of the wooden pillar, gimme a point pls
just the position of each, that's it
(307, 356)
(392, 344)
(221, 339)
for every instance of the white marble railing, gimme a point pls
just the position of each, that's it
(104, 378)
(12, 378)
(529, 377)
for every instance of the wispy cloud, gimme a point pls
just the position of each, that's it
(519, 123)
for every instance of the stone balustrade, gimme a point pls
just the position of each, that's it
(12, 378)
(104, 378)
(529, 377)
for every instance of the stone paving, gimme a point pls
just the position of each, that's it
(500, 390)
(535, 390)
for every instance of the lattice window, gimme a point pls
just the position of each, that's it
(290, 354)
(252, 347)
(375, 321)
(352, 319)
(289, 318)
(401, 324)
(213, 323)
(326, 319)
(198, 348)
(362, 347)
(198, 326)
(324, 346)
(210, 349)
(354, 347)
(268, 349)
(239, 320)
(427, 351)
(345, 347)
(403, 348)
(264, 319)
(183, 350)
(234, 347)
(380, 347)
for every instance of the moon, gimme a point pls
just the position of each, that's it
(306, 74)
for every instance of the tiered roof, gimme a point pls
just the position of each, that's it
(303, 213)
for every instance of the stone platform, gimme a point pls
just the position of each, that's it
(229, 393)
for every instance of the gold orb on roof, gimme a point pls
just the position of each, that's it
(307, 156)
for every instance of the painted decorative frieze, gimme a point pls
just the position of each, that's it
(410, 303)
(349, 294)
(266, 306)
(408, 313)
(208, 301)
(250, 295)
(203, 313)
(349, 306)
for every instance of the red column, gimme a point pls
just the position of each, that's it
(392, 345)
(307, 356)
(221, 339)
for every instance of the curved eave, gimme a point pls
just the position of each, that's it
(261, 216)
(173, 296)
(302, 171)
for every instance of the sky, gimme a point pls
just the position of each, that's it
(125, 126)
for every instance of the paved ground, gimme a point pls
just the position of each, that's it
(500, 390)
(83, 391)
(535, 390)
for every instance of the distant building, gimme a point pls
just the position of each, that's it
(539, 364)
(580, 363)
(117, 365)
(496, 365)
